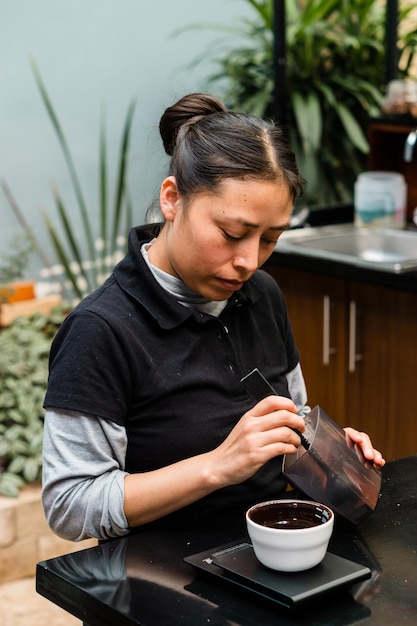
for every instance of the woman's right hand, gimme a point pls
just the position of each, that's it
(262, 433)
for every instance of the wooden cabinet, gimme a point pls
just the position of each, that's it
(358, 345)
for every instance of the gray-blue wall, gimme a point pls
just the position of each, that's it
(93, 53)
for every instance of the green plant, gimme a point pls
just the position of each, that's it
(24, 349)
(87, 261)
(335, 80)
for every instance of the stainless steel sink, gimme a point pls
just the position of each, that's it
(384, 248)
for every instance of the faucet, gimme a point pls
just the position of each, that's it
(409, 146)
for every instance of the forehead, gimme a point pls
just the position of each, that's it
(243, 190)
(249, 201)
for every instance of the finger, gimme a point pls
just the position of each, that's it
(354, 435)
(286, 435)
(367, 447)
(365, 443)
(279, 419)
(273, 403)
(378, 459)
(280, 441)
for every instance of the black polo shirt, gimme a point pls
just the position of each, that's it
(131, 353)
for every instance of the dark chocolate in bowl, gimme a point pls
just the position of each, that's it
(290, 515)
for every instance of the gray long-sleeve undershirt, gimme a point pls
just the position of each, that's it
(84, 470)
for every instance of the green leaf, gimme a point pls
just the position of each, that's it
(10, 484)
(62, 256)
(71, 240)
(16, 416)
(308, 119)
(352, 128)
(31, 470)
(17, 464)
(121, 177)
(265, 11)
(68, 158)
(103, 191)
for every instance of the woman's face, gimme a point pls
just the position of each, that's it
(220, 239)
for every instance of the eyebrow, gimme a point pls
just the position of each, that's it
(253, 225)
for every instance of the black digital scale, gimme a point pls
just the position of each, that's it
(238, 566)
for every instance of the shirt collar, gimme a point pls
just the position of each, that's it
(135, 278)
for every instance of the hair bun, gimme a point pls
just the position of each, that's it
(194, 105)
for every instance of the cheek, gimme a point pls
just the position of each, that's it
(265, 254)
(215, 253)
(206, 245)
(199, 246)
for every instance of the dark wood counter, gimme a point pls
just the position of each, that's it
(142, 579)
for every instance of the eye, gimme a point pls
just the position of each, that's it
(230, 237)
(271, 241)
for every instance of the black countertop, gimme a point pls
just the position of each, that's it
(142, 579)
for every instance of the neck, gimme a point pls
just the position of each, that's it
(157, 252)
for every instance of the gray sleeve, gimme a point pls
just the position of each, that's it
(297, 389)
(83, 470)
(83, 476)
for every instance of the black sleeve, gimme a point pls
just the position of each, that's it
(88, 369)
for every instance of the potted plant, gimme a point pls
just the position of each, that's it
(335, 80)
(82, 263)
(24, 349)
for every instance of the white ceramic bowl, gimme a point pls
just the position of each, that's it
(290, 535)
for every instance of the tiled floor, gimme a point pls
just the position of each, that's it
(22, 606)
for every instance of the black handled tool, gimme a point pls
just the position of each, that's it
(259, 388)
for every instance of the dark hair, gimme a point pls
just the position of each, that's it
(207, 143)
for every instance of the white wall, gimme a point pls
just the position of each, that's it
(93, 53)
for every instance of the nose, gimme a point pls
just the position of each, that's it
(247, 256)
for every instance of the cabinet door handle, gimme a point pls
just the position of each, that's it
(326, 330)
(354, 357)
(327, 349)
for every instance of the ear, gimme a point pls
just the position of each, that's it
(169, 198)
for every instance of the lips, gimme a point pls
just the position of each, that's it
(231, 285)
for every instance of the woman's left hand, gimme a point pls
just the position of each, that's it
(369, 452)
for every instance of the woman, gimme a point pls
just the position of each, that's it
(147, 420)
